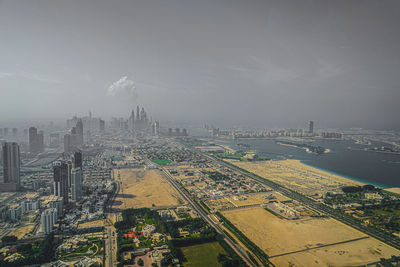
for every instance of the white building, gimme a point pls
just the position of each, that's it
(48, 219)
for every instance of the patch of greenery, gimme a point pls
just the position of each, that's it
(162, 161)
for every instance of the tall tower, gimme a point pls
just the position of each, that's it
(33, 142)
(132, 120)
(11, 164)
(311, 127)
(76, 184)
(76, 177)
(60, 176)
(79, 132)
(137, 113)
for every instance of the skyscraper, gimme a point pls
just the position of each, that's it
(311, 127)
(60, 183)
(79, 132)
(11, 165)
(36, 140)
(76, 177)
(132, 120)
(76, 186)
(77, 160)
(15, 132)
(155, 129)
(102, 125)
(33, 139)
(67, 143)
(40, 141)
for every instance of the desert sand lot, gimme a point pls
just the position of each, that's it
(95, 223)
(144, 188)
(277, 236)
(20, 232)
(349, 254)
(297, 176)
(259, 198)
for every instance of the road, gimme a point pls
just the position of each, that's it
(239, 250)
(111, 242)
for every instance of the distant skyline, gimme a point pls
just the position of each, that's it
(252, 63)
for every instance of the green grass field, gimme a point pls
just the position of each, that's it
(162, 161)
(202, 255)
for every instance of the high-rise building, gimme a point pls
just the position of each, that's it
(79, 132)
(76, 187)
(77, 160)
(76, 177)
(102, 125)
(67, 143)
(48, 219)
(60, 183)
(57, 204)
(132, 121)
(155, 129)
(311, 127)
(11, 165)
(40, 141)
(15, 132)
(33, 140)
(36, 140)
(5, 133)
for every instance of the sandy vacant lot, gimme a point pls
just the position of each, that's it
(144, 188)
(277, 236)
(95, 223)
(259, 198)
(20, 232)
(297, 176)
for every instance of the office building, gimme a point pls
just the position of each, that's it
(32, 139)
(102, 125)
(48, 219)
(60, 183)
(15, 212)
(30, 204)
(67, 143)
(36, 140)
(155, 128)
(11, 166)
(15, 132)
(57, 203)
(79, 132)
(77, 160)
(76, 187)
(311, 127)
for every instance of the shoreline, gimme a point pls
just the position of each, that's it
(359, 180)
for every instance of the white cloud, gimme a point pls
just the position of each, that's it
(123, 86)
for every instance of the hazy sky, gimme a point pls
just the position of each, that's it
(271, 63)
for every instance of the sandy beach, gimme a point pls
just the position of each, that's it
(295, 175)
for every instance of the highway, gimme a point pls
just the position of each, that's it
(238, 249)
(111, 242)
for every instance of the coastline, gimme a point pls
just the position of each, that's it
(359, 180)
(344, 176)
